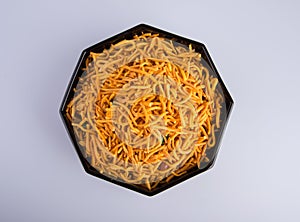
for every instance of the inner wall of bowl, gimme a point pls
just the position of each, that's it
(100, 48)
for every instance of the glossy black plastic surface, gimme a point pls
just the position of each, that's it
(86, 157)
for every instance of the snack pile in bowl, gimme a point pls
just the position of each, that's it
(146, 109)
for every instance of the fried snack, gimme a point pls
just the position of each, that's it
(146, 110)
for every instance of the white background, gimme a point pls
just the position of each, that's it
(255, 46)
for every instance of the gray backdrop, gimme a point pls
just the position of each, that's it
(255, 46)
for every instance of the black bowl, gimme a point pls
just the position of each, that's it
(89, 66)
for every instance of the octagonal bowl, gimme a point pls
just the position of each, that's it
(146, 109)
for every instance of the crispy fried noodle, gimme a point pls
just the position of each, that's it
(145, 110)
